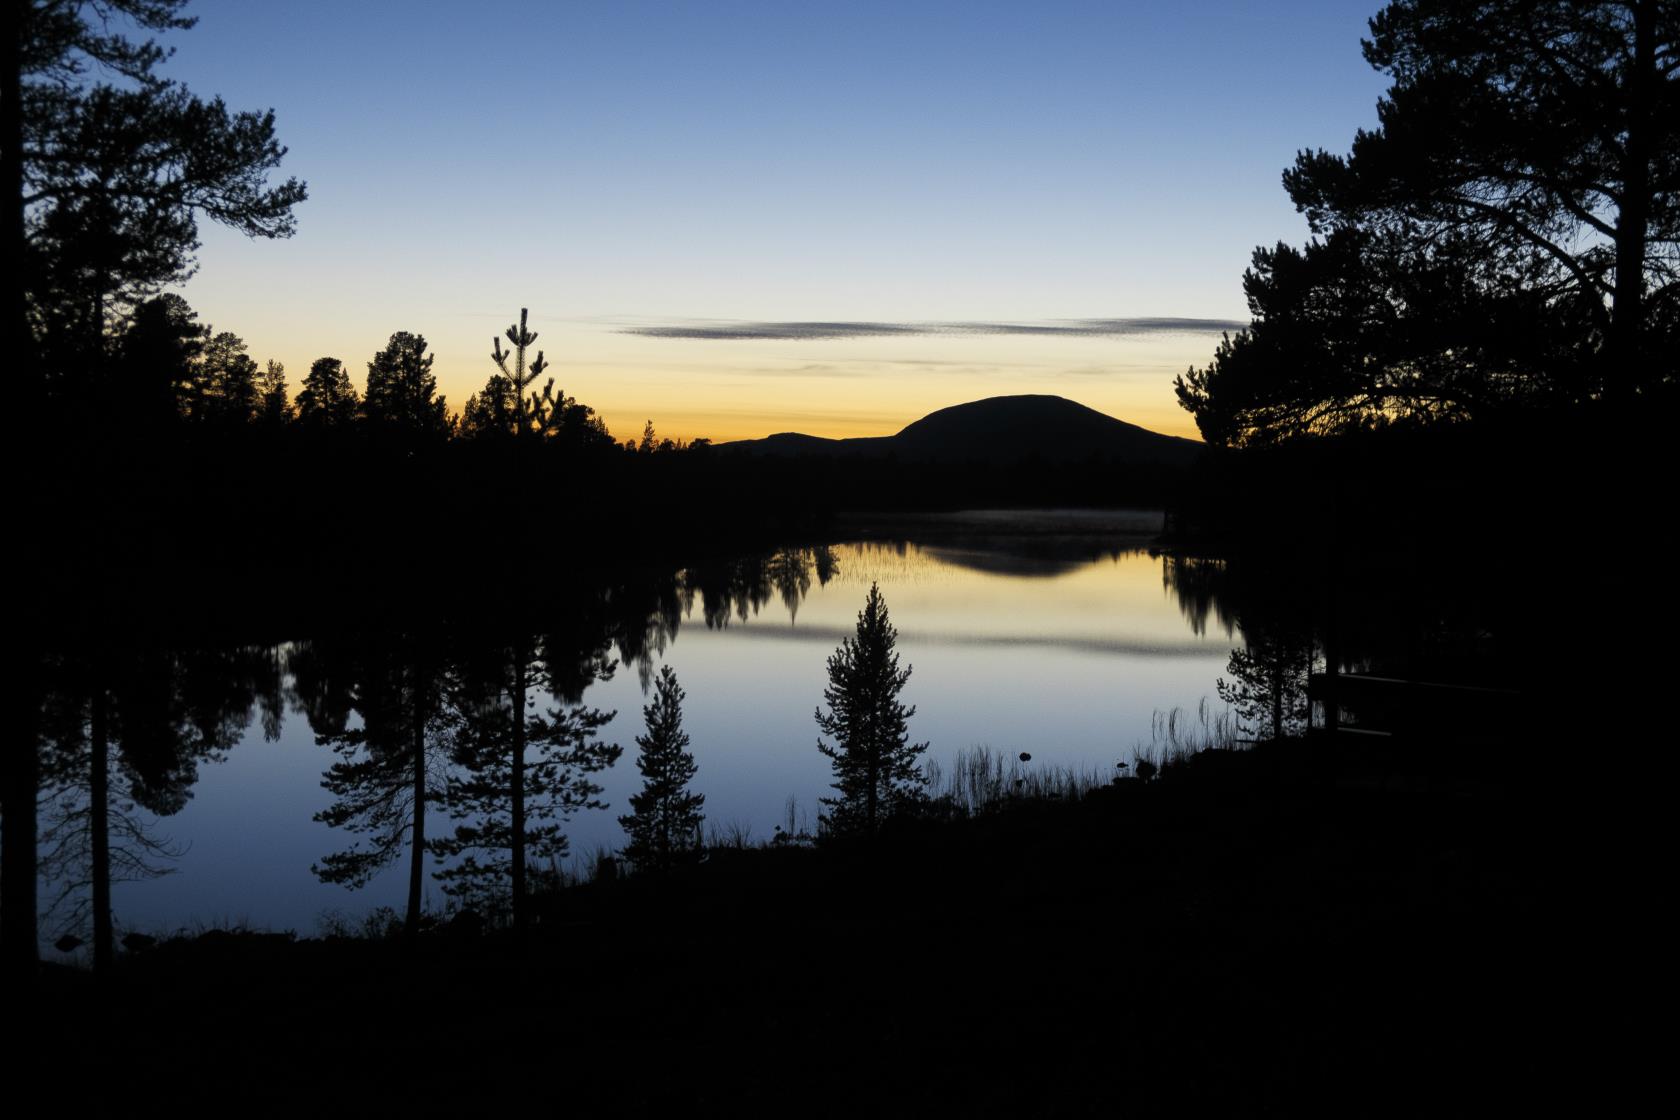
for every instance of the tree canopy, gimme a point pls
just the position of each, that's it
(402, 394)
(1508, 237)
(327, 399)
(509, 406)
(108, 168)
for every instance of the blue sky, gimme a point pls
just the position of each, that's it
(615, 166)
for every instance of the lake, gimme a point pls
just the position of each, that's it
(1058, 634)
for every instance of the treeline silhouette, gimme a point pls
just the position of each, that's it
(180, 462)
(1468, 372)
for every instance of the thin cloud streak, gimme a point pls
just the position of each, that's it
(815, 331)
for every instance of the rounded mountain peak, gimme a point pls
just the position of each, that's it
(1038, 425)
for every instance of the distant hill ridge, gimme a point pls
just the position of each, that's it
(998, 430)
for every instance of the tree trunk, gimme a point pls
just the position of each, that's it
(517, 791)
(99, 806)
(416, 864)
(1625, 364)
(19, 351)
(871, 799)
(662, 807)
(1278, 668)
(21, 775)
(21, 763)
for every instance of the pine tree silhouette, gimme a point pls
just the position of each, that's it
(521, 377)
(1268, 685)
(523, 773)
(666, 815)
(875, 764)
(327, 399)
(401, 396)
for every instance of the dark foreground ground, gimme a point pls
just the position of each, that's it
(1246, 935)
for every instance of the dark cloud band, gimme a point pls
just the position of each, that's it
(807, 332)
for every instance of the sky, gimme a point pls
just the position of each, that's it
(734, 219)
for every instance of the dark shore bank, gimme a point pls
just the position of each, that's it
(1271, 930)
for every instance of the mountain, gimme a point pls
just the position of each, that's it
(998, 430)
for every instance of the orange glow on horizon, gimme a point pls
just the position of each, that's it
(625, 422)
(749, 389)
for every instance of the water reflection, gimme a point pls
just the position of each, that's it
(741, 588)
(124, 731)
(409, 773)
(1197, 582)
(391, 760)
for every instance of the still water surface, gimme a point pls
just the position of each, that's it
(1064, 645)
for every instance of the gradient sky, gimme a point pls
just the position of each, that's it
(618, 167)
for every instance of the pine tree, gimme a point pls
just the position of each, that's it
(1505, 239)
(274, 410)
(876, 770)
(489, 413)
(522, 376)
(666, 815)
(108, 165)
(157, 367)
(507, 405)
(401, 393)
(227, 381)
(1268, 685)
(327, 399)
(522, 774)
(110, 181)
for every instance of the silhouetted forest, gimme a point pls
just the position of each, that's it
(1452, 402)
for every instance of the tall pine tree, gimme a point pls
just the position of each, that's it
(106, 167)
(523, 774)
(666, 817)
(508, 403)
(227, 382)
(274, 410)
(1268, 685)
(327, 400)
(401, 397)
(876, 767)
